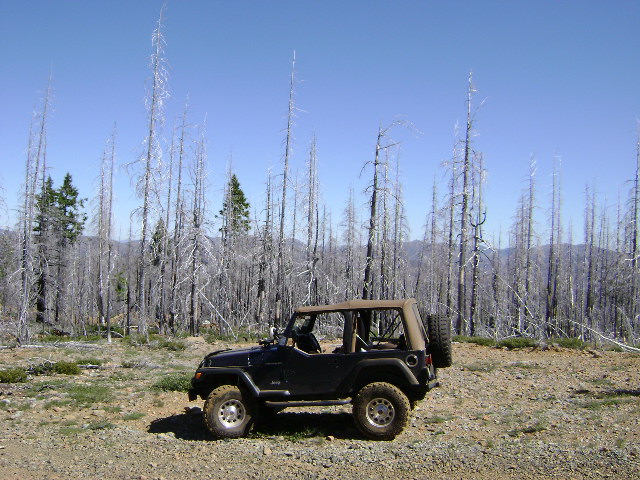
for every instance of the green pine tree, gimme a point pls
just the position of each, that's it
(45, 205)
(235, 210)
(70, 217)
(59, 222)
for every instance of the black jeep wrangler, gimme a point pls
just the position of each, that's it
(384, 362)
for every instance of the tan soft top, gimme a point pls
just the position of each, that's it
(358, 304)
(415, 331)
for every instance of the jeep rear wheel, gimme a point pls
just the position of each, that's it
(227, 412)
(439, 331)
(380, 411)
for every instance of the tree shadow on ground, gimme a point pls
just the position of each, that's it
(185, 426)
(300, 425)
(623, 392)
(290, 425)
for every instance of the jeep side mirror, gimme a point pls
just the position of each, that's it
(273, 337)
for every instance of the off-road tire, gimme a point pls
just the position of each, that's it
(380, 411)
(439, 331)
(228, 412)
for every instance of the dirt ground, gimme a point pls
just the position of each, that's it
(498, 414)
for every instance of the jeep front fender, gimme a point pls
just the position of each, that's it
(207, 377)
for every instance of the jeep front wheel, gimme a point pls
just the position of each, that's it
(380, 411)
(227, 412)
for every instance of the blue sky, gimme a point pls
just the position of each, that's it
(558, 78)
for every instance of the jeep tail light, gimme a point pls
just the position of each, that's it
(427, 360)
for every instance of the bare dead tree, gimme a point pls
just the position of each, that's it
(436, 299)
(400, 233)
(552, 263)
(375, 188)
(349, 239)
(164, 251)
(634, 310)
(280, 277)
(384, 230)
(529, 233)
(265, 255)
(589, 233)
(105, 245)
(178, 221)
(35, 151)
(155, 107)
(312, 224)
(476, 224)
(451, 230)
(197, 213)
(367, 287)
(464, 214)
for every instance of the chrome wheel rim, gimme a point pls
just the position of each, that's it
(380, 412)
(231, 413)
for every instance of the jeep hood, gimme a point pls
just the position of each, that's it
(230, 358)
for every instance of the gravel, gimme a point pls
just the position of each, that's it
(499, 414)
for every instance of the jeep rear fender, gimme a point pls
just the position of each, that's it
(392, 370)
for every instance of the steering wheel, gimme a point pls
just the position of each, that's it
(315, 344)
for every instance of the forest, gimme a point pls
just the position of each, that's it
(188, 265)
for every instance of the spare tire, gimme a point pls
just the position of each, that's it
(439, 331)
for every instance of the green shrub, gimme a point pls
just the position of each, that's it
(100, 425)
(172, 345)
(433, 419)
(539, 426)
(49, 368)
(56, 403)
(176, 382)
(68, 431)
(481, 367)
(51, 338)
(136, 340)
(211, 338)
(131, 364)
(241, 336)
(91, 338)
(66, 368)
(89, 361)
(45, 368)
(517, 342)
(117, 330)
(86, 395)
(484, 341)
(524, 365)
(460, 338)
(13, 375)
(133, 416)
(568, 342)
